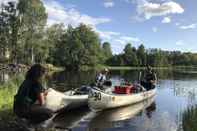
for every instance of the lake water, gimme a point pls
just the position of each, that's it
(176, 91)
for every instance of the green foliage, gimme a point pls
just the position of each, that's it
(33, 19)
(107, 50)
(130, 57)
(27, 38)
(116, 60)
(8, 29)
(141, 55)
(54, 34)
(189, 119)
(22, 27)
(7, 92)
(78, 47)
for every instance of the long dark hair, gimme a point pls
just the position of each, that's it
(35, 72)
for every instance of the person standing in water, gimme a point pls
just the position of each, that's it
(150, 79)
(30, 97)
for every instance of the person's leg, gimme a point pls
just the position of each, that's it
(20, 111)
(39, 113)
(144, 84)
(152, 86)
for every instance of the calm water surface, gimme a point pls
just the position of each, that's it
(176, 91)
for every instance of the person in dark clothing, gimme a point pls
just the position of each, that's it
(149, 79)
(30, 97)
(101, 78)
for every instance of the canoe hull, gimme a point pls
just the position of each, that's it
(56, 100)
(99, 100)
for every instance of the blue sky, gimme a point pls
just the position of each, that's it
(165, 24)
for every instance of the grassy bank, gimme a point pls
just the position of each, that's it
(7, 92)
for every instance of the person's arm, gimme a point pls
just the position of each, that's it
(41, 99)
(41, 94)
(154, 79)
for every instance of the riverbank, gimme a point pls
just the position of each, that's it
(144, 67)
(8, 120)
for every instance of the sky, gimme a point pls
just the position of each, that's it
(165, 24)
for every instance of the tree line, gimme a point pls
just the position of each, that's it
(25, 38)
(140, 56)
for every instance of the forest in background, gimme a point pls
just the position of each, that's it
(25, 38)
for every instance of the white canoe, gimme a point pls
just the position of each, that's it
(99, 100)
(56, 100)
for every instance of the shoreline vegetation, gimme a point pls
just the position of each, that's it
(189, 119)
(26, 39)
(51, 68)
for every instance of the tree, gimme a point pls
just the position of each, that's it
(116, 60)
(9, 29)
(141, 55)
(33, 19)
(79, 46)
(130, 57)
(53, 37)
(106, 50)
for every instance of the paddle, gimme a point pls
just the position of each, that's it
(139, 79)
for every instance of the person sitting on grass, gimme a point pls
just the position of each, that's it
(30, 97)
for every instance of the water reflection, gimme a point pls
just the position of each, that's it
(70, 118)
(106, 119)
(119, 116)
(67, 80)
(185, 88)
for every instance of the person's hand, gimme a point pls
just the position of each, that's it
(45, 92)
(152, 81)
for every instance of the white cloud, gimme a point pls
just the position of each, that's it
(166, 20)
(119, 43)
(149, 10)
(192, 26)
(125, 39)
(131, 39)
(59, 14)
(177, 24)
(108, 4)
(179, 43)
(117, 40)
(107, 35)
(155, 29)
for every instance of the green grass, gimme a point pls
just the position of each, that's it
(7, 91)
(189, 119)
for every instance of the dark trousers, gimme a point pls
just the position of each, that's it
(147, 85)
(34, 113)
